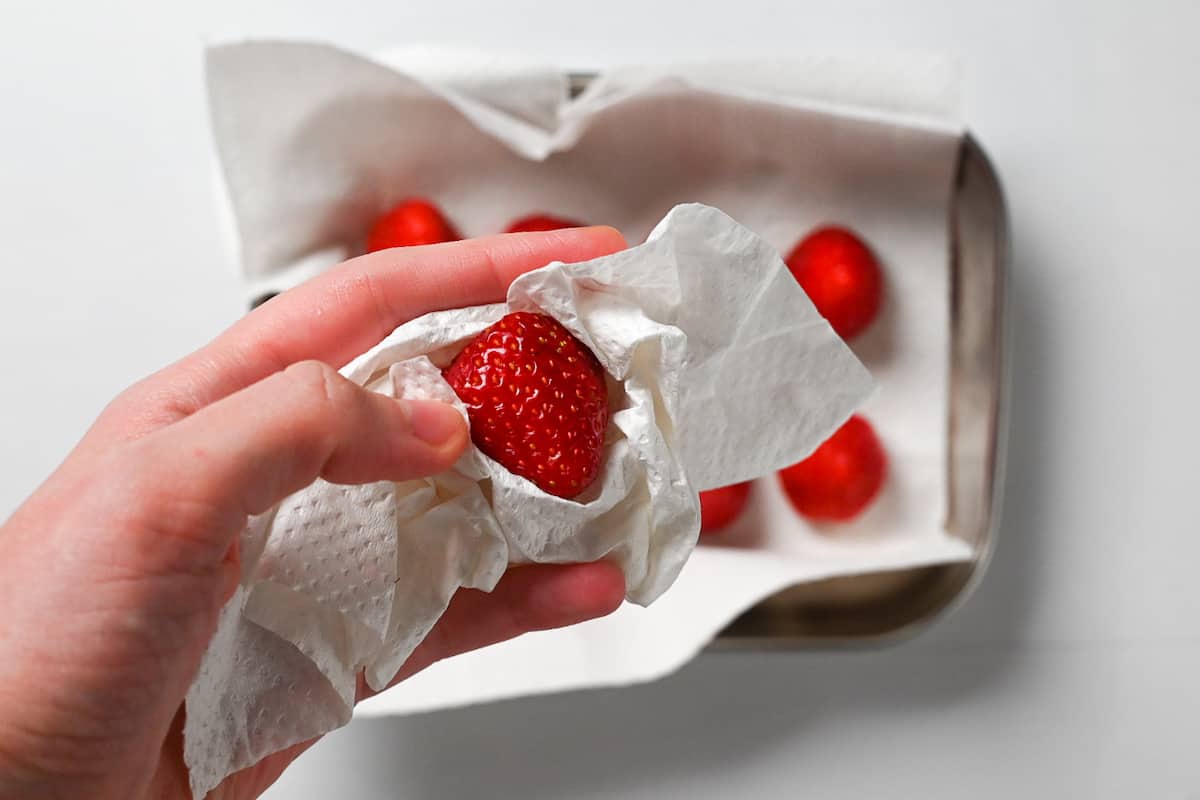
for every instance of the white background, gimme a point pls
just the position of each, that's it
(1071, 673)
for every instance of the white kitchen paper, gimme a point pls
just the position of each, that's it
(721, 370)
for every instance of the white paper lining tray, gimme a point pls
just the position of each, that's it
(899, 602)
(313, 142)
(887, 605)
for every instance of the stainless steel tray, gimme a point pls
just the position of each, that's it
(886, 606)
(890, 605)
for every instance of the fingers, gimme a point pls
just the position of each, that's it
(346, 310)
(251, 782)
(528, 598)
(242, 455)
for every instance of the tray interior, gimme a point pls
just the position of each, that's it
(889, 604)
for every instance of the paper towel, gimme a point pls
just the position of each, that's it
(723, 371)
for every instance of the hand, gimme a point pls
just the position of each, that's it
(114, 571)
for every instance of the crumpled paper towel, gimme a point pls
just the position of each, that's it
(721, 369)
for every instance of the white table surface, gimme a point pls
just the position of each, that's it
(1072, 672)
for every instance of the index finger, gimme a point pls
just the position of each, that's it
(343, 312)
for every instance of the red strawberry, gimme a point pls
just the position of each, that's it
(841, 276)
(720, 507)
(537, 401)
(415, 221)
(841, 478)
(541, 222)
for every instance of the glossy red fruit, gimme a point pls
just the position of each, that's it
(537, 401)
(841, 276)
(720, 507)
(412, 222)
(541, 222)
(840, 479)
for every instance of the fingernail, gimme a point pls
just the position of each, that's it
(434, 423)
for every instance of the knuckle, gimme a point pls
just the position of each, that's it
(368, 285)
(319, 388)
(325, 405)
(145, 406)
(356, 286)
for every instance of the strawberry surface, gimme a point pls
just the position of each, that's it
(413, 222)
(841, 478)
(537, 401)
(541, 222)
(720, 507)
(840, 275)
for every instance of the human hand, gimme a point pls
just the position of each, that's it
(113, 573)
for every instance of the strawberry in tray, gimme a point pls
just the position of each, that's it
(841, 276)
(841, 478)
(413, 222)
(720, 507)
(541, 222)
(537, 400)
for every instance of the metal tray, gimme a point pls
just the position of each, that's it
(887, 606)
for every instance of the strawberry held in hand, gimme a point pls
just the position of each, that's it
(537, 401)
(541, 222)
(413, 222)
(840, 275)
(720, 507)
(841, 478)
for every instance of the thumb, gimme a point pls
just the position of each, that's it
(250, 450)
